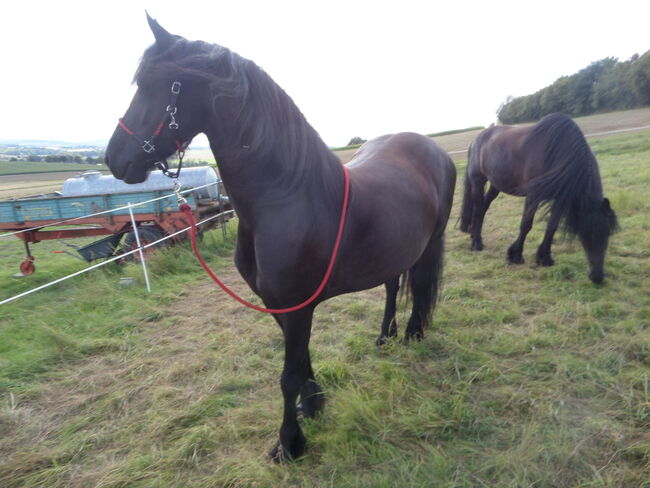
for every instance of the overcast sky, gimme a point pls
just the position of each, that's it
(355, 68)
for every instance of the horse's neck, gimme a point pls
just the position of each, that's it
(308, 174)
(268, 154)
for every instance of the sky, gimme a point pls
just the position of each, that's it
(354, 68)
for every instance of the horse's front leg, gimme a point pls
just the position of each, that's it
(478, 205)
(544, 251)
(490, 195)
(515, 251)
(297, 379)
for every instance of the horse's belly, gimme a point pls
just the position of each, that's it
(381, 256)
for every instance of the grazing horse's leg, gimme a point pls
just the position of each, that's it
(478, 206)
(515, 251)
(491, 194)
(297, 372)
(544, 251)
(425, 279)
(477, 242)
(389, 325)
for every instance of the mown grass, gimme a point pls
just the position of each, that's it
(530, 377)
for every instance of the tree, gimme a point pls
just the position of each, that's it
(641, 78)
(603, 85)
(355, 141)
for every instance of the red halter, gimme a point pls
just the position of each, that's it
(148, 144)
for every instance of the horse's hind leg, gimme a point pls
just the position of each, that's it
(425, 280)
(515, 251)
(544, 251)
(389, 325)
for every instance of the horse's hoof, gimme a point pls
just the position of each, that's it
(545, 260)
(477, 246)
(383, 340)
(281, 454)
(515, 256)
(596, 277)
(410, 336)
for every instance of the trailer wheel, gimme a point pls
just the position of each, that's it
(27, 266)
(148, 234)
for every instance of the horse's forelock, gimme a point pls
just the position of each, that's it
(183, 58)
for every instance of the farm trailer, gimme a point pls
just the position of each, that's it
(92, 204)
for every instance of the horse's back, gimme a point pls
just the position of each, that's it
(408, 157)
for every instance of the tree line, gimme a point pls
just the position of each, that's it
(603, 86)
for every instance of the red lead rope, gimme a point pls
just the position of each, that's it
(188, 212)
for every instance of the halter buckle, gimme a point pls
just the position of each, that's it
(176, 87)
(172, 111)
(177, 191)
(148, 147)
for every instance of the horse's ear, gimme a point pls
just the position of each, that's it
(163, 38)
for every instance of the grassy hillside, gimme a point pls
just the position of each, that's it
(457, 142)
(529, 377)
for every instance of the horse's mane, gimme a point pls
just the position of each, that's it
(255, 114)
(570, 183)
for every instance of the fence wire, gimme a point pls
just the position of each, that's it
(140, 249)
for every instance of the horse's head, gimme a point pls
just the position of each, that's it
(598, 224)
(165, 112)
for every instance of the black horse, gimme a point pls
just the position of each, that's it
(549, 162)
(287, 187)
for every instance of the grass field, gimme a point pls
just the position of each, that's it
(26, 167)
(530, 377)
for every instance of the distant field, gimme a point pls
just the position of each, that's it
(28, 184)
(27, 167)
(589, 125)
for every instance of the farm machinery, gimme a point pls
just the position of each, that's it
(92, 204)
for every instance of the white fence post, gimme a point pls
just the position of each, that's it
(137, 240)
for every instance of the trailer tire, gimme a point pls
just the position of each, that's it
(148, 234)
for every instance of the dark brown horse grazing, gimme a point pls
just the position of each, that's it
(287, 187)
(549, 162)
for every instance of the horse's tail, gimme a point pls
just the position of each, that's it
(467, 208)
(424, 279)
(570, 181)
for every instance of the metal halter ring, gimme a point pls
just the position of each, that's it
(148, 147)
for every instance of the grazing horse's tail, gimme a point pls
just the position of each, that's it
(570, 180)
(467, 207)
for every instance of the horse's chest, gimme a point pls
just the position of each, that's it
(245, 260)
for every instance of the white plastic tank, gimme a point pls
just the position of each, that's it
(94, 183)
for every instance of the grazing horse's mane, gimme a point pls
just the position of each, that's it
(256, 116)
(571, 185)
